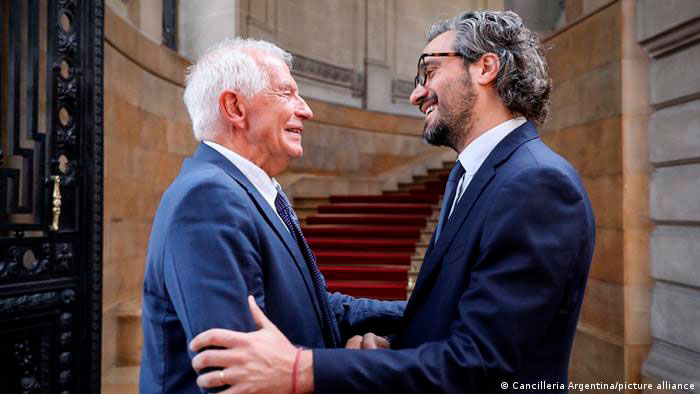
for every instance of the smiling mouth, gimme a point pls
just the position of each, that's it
(430, 109)
(294, 131)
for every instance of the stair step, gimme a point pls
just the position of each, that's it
(425, 238)
(394, 193)
(416, 263)
(412, 278)
(387, 290)
(129, 335)
(129, 340)
(415, 209)
(440, 171)
(388, 245)
(391, 220)
(436, 212)
(420, 191)
(405, 186)
(399, 198)
(365, 272)
(437, 184)
(304, 212)
(310, 200)
(420, 250)
(358, 231)
(330, 257)
(424, 178)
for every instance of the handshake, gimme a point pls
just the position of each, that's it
(264, 357)
(368, 341)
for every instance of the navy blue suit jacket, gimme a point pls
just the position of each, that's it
(499, 294)
(214, 241)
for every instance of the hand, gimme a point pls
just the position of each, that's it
(256, 362)
(368, 341)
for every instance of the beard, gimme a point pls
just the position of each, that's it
(454, 117)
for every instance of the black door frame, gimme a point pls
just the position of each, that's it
(59, 289)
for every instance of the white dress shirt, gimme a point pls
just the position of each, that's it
(474, 155)
(266, 186)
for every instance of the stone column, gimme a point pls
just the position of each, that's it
(388, 93)
(670, 33)
(203, 23)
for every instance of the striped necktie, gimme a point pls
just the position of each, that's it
(330, 326)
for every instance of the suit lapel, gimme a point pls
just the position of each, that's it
(433, 256)
(435, 253)
(206, 153)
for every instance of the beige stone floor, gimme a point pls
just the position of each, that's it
(123, 380)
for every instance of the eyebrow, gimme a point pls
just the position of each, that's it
(430, 62)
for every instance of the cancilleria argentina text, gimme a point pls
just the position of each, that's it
(617, 386)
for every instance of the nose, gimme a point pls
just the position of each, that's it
(417, 94)
(303, 110)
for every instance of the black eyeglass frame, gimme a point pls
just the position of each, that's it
(420, 79)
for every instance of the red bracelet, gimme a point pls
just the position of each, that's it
(295, 370)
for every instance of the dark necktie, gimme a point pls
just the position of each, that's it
(330, 326)
(449, 196)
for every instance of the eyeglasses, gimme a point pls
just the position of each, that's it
(421, 75)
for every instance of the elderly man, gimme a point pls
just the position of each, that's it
(498, 296)
(225, 230)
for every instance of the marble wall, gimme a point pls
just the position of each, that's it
(670, 32)
(598, 122)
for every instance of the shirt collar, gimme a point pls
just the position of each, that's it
(266, 186)
(474, 155)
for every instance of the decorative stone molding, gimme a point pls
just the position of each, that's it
(671, 40)
(329, 73)
(669, 362)
(358, 85)
(401, 89)
(356, 118)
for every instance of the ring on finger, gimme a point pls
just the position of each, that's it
(222, 377)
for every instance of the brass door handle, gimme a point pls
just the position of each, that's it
(56, 202)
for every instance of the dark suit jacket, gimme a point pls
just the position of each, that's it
(498, 296)
(214, 241)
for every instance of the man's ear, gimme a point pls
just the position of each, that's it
(487, 69)
(232, 108)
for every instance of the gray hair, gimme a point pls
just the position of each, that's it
(226, 65)
(523, 81)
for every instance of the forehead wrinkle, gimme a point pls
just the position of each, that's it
(283, 82)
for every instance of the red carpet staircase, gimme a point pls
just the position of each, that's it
(372, 245)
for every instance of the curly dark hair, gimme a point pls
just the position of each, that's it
(523, 81)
